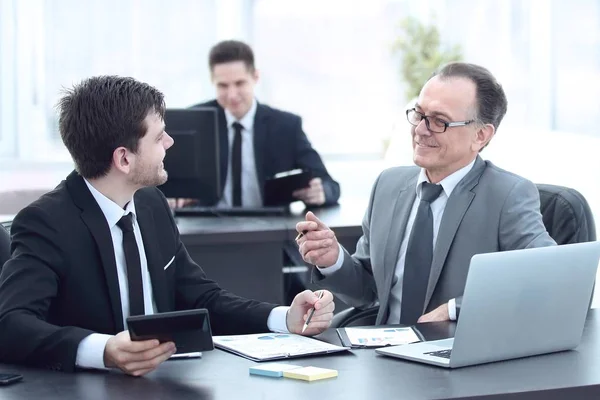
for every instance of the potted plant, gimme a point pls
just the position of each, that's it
(421, 53)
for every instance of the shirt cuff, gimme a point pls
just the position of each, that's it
(90, 352)
(326, 271)
(277, 321)
(452, 309)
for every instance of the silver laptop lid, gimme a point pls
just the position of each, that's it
(525, 302)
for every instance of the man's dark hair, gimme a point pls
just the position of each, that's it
(491, 99)
(101, 114)
(230, 51)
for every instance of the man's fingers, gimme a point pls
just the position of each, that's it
(310, 245)
(310, 216)
(317, 235)
(139, 346)
(301, 193)
(148, 364)
(313, 256)
(320, 318)
(142, 372)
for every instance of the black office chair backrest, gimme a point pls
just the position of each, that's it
(4, 245)
(566, 214)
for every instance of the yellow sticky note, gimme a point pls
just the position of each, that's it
(310, 373)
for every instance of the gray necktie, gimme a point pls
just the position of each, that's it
(419, 255)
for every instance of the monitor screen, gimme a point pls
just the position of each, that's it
(193, 161)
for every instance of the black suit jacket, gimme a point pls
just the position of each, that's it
(280, 145)
(61, 283)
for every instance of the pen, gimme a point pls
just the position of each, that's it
(310, 315)
(301, 234)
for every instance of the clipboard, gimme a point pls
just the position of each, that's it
(383, 335)
(279, 188)
(274, 346)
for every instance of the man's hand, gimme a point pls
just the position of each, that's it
(317, 244)
(439, 314)
(136, 358)
(300, 308)
(313, 195)
(180, 203)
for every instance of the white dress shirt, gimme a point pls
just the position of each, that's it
(437, 209)
(251, 193)
(90, 353)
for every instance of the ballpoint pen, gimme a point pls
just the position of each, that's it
(310, 315)
(301, 234)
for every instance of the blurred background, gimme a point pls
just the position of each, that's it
(348, 67)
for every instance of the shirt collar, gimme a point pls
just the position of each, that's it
(449, 182)
(247, 121)
(112, 211)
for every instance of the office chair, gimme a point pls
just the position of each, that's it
(4, 245)
(566, 215)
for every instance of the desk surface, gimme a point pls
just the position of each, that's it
(362, 375)
(346, 216)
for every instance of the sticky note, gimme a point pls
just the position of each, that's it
(272, 369)
(310, 373)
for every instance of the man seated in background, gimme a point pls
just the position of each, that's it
(424, 223)
(104, 245)
(267, 140)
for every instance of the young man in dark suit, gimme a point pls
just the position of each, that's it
(103, 246)
(272, 140)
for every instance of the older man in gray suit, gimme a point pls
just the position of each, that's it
(423, 224)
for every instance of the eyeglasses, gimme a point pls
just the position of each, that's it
(434, 124)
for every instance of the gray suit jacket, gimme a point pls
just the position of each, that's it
(489, 210)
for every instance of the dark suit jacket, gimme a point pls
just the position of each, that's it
(61, 283)
(280, 145)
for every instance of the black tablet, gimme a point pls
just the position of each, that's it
(189, 329)
(278, 189)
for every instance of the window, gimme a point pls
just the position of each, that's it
(57, 43)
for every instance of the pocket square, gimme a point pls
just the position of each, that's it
(169, 263)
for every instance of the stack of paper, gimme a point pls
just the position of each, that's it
(310, 373)
(274, 370)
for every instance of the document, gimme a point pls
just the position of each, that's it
(274, 346)
(376, 337)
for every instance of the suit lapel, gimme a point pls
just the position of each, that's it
(93, 217)
(456, 207)
(153, 256)
(402, 206)
(260, 140)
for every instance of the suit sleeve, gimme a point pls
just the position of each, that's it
(308, 158)
(229, 314)
(521, 224)
(28, 283)
(353, 283)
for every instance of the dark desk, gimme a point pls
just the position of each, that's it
(245, 254)
(362, 375)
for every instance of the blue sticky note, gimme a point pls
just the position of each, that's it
(274, 370)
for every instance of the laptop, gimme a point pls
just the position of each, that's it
(516, 304)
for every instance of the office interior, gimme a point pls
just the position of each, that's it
(335, 63)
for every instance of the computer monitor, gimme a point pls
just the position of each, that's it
(193, 161)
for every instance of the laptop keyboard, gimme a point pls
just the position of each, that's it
(440, 353)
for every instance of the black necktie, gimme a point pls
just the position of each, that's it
(236, 165)
(419, 255)
(134, 266)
